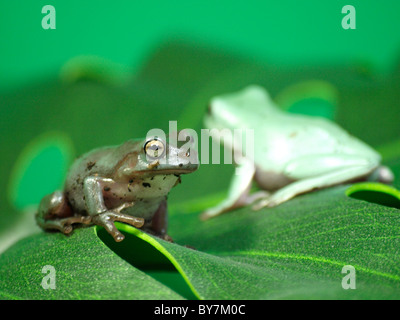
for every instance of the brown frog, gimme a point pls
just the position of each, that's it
(127, 183)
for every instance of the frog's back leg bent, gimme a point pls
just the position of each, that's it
(324, 171)
(55, 213)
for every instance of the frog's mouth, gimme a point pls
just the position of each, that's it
(177, 171)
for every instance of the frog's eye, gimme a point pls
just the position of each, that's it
(154, 148)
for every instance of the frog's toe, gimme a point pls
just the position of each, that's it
(61, 225)
(272, 204)
(66, 229)
(126, 218)
(210, 213)
(86, 220)
(124, 206)
(113, 231)
(106, 220)
(66, 224)
(261, 204)
(267, 203)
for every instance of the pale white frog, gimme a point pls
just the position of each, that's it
(293, 153)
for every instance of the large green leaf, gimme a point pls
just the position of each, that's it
(85, 269)
(296, 250)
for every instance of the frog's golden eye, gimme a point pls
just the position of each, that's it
(154, 148)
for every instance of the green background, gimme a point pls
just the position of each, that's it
(127, 32)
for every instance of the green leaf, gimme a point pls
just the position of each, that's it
(85, 269)
(375, 192)
(294, 251)
(297, 249)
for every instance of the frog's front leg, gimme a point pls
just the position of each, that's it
(319, 171)
(93, 189)
(238, 194)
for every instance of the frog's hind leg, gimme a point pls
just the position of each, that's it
(324, 171)
(55, 213)
(159, 223)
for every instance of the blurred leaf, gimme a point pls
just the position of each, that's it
(40, 169)
(296, 250)
(315, 98)
(94, 68)
(390, 151)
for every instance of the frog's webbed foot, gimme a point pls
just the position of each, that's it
(63, 225)
(238, 194)
(55, 213)
(263, 203)
(107, 219)
(232, 204)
